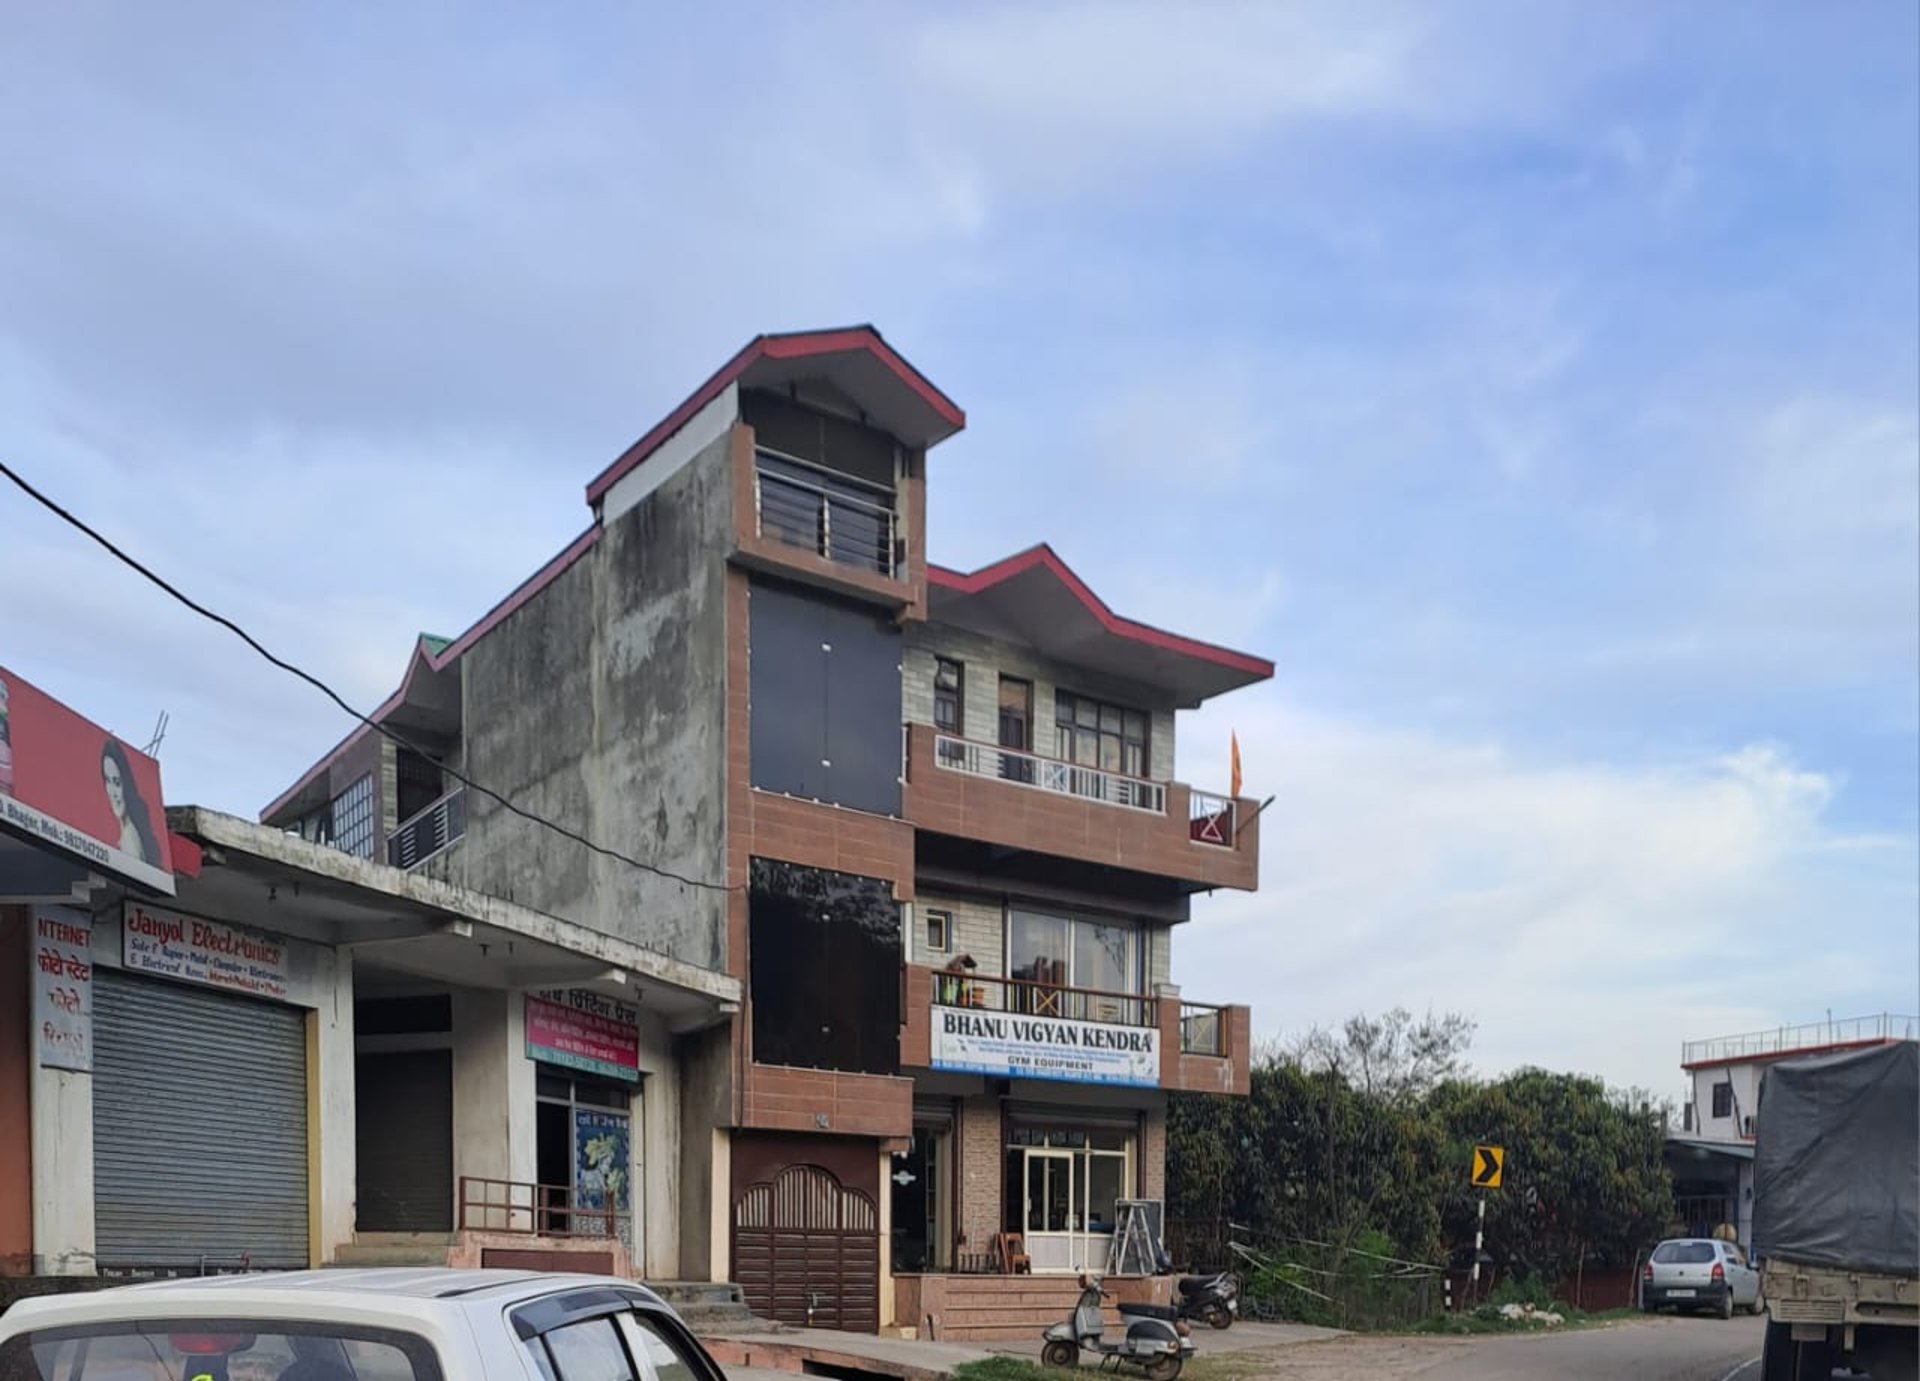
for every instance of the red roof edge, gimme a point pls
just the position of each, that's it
(519, 595)
(1044, 555)
(789, 346)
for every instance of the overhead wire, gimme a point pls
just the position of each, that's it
(214, 616)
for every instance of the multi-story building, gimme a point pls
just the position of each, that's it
(1711, 1158)
(928, 818)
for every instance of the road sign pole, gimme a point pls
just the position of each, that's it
(1479, 1236)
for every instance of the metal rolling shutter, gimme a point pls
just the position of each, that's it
(404, 1141)
(199, 1127)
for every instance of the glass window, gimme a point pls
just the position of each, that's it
(1093, 734)
(588, 1351)
(1683, 1253)
(1106, 1186)
(939, 935)
(659, 1356)
(1104, 956)
(949, 696)
(1040, 952)
(352, 818)
(824, 955)
(1723, 1100)
(183, 1347)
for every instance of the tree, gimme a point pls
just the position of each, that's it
(1393, 1057)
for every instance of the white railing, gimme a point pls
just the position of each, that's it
(1048, 774)
(422, 835)
(1212, 820)
(1885, 1026)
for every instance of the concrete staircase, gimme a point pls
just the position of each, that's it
(1004, 1308)
(394, 1249)
(709, 1307)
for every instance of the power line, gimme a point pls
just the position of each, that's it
(399, 739)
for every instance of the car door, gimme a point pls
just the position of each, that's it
(1741, 1276)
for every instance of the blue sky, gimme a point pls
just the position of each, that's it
(1535, 383)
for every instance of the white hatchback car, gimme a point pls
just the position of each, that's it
(347, 1325)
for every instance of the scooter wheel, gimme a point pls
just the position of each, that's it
(1065, 1355)
(1164, 1368)
(1220, 1317)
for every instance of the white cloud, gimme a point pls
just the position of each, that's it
(1588, 914)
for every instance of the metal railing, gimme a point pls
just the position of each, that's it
(533, 1210)
(1212, 820)
(1048, 774)
(1203, 1029)
(806, 506)
(428, 832)
(1885, 1026)
(1029, 998)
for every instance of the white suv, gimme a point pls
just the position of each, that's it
(345, 1325)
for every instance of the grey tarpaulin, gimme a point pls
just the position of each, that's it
(1837, 1161)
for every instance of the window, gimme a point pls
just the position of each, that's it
(1016, 727)
(113, 1351)
(949, 697)
(939, 932)
(1723, 1100)
(588, 1351)
(659, 1358)
(824, 966)
(1089, 733)
(1054, 952)
(353, 818)
(1063, 1179)
(1683, 1253)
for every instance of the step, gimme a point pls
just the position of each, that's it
(697, 1294)
(368, 1254)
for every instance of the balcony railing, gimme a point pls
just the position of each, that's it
(535, 1210)
(1043, 999)
(828, 514)
(1885, 1026)
(1048, 774)
(1203, 1029)
(1212, 820)
(427, 833)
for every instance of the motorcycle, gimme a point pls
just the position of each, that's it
(1157, 1340)
(1213, 1300)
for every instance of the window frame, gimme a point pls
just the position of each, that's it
(1069, 732)
(944, 917)
(1723, 1095)
(956, 695)
(531, 1321)
(355, 800)
(1137, 957)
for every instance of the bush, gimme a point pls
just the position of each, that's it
(1523, 1289)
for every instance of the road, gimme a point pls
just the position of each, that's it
(1662, 1349)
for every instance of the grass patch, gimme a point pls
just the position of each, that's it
(1004, 1369)
(1204, 1366)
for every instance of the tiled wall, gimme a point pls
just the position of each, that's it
(986, 659)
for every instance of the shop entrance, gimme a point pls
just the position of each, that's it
(583, 1148)
(922, 1198)
(1062, 1186)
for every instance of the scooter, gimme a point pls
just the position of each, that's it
(1157, 1341)
(1214, 1300)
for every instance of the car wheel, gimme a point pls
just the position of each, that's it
(1726, 1304)
(1058, 1354)
(1759, 1305)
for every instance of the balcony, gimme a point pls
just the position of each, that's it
(429, 832)
(1020, 800)
(972, 1023)
(1789, 1040)
(800, 520)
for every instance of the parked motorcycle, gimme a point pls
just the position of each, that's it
(1214, 1300)
(1157, 1341)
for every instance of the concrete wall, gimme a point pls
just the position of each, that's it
(705, 1112)
(1745, 1079)
(319, 979)
(987, 659)
(600, 703)
(493, 1102)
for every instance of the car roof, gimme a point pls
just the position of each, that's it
(301, 1291)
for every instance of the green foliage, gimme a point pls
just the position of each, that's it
(1354, 1147)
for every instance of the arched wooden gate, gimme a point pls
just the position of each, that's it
(806, 1250)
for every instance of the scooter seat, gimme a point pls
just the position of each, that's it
(1149, 1311)
(1198, 1285)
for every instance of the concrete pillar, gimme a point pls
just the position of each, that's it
(493, 1108)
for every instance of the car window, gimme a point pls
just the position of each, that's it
(1683, 1253)
(587, 1351)
(222, 1349)
(659, 1355)
(1735, 1255)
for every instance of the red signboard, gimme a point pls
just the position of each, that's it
(68, 784)
(585, 1031)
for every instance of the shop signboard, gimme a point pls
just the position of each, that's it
(63, 989)
(171, 945)
(583, 1030)
(68, 785)
(1009, 1045)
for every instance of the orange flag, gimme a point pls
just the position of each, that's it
(1234, 791)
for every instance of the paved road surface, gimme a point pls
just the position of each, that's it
(1663, 1349)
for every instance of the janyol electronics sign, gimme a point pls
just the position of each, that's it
(69, 785)
(1029, 1047)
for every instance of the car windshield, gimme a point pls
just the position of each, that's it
(216, 1350)
(1683, 1253)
